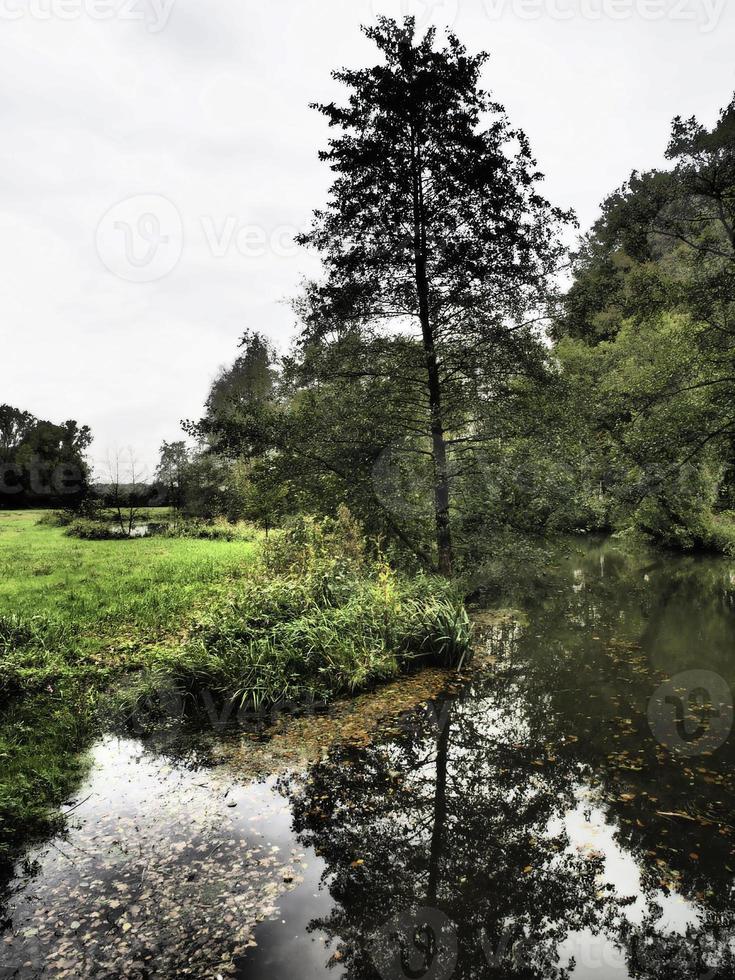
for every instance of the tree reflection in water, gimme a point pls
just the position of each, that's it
(479, 807)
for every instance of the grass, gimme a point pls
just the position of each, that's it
(138, 590)
(291, 641)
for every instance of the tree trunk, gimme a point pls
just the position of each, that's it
(438, 441)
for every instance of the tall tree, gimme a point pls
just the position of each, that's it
(240, 401)
(15, 427)
(434, 231)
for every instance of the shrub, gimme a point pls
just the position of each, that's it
(332, 547)
(56, 518)
(216, 530)
(89, 530)
(89, 509)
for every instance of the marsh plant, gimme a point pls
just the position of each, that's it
(322, 614)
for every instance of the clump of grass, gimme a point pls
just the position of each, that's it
(322, 616)
(48, 705)
(18, 631)
(42, 738)
(33, 654)
(56, 518)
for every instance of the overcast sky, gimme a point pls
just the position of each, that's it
(158, 155)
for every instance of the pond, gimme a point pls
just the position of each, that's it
(566, 811)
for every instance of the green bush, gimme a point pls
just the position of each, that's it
(331, 547)
(56, 518)
(90, 530)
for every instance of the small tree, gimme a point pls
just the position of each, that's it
(126, 490)
(171, 470)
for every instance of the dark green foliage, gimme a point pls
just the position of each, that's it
(200, 530)
(171, 471)
(439, 253)
(89, 530)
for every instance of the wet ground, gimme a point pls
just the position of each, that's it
(565, 812)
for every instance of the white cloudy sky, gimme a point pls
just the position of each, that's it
(203, 103)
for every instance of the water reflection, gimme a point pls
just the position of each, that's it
(536, 811)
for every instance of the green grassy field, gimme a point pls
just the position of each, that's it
(138, 590)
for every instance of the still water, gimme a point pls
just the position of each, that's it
(566, 811)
